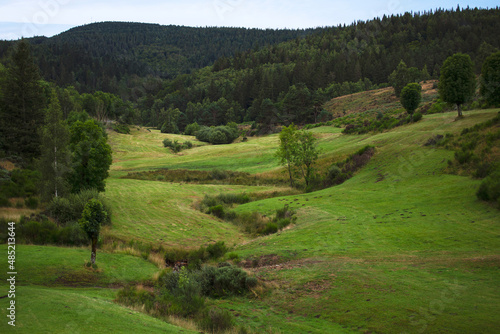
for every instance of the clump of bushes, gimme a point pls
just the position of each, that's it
(184, 293)
(256, 224)
(217, 135)
(121, 128)
(489, 190)
(176, 146)
(41, 231)
(192, 129)
(196, 257)
(69, 209)
(18, 183)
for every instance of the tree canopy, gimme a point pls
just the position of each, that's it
(411, 95)
(490, 79)
(91, 157)
(457, 82)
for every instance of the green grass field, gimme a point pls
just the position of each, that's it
(401, 247)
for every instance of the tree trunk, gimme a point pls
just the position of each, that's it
(94, 248)
(459, 110)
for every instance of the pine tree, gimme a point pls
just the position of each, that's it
(55, 160)
(22, 104)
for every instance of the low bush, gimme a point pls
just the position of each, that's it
(216, 320)
(489, 190)
(121, 128)
(217, 210)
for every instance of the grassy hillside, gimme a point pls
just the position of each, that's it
(400, 247)
(401, 236)
(55, 293)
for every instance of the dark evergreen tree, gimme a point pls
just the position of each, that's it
(22, 104)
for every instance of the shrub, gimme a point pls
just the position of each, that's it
(31, 203)
(121, 128)
(218, 137)
(489, 190)
(192, 129)
(270, 229)
(187, 145)
(218, 174)
(217, 210)
(217, 250)
(216, 320)
(417, 117)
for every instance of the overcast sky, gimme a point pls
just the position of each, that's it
(27, 18)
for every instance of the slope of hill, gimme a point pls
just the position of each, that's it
(400, 236)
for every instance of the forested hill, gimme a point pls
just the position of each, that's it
(98, 56)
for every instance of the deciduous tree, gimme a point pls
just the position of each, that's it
(411, 95)
(287, 148)
(91, 156)
(490, 79)
(457, 82)
(93, 216)
(55, 161)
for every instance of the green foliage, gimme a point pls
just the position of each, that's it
(457, 82)
(121, 128)
(69, 209)
(91, 157)
(411, 95)
(93, 216)
(305, 155)
(490, 79)
(19, 183)
(174, 145)
(192, 129)
(286, 150)
(54, 164)
(41, 231)
(489, 190)
(215, 320)
(402, 76)
(217, 135)
(22, 104)
(217, 211)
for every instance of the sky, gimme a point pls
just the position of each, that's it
(28, 18)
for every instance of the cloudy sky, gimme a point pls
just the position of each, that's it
(27, 18)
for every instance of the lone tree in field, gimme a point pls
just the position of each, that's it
(93, 216)
(410, 98)
(457, 82)
(490, 79)
(288, 146)
(306, 155)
